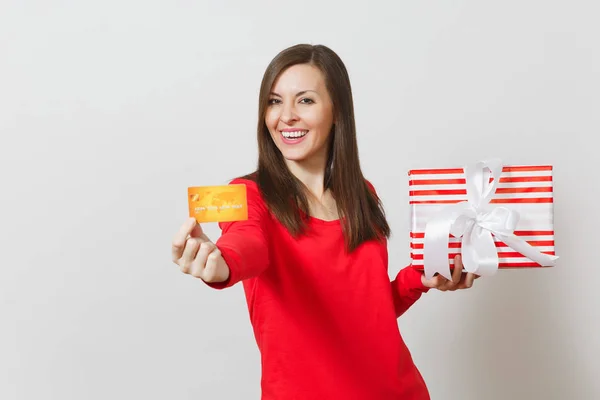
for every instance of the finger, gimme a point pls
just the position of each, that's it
(469, 280)
(189, 254)
(458, 269)
(441, 283)
(179, 241)
(434, 282)
(456, 274)
(211, 272)
(199, 264)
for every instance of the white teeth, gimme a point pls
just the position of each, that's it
(295, 134)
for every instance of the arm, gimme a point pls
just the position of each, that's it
(407, 288)
(244, 244)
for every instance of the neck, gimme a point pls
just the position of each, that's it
(310, 172)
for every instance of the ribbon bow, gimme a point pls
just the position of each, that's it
(474, 220)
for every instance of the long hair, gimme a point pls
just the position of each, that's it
(360, 210)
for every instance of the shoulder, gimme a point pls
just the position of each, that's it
(371, 187)
(244, 181)
(253, 193)
(248, 180)
(251, 185)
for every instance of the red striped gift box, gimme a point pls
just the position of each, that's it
(525, 189)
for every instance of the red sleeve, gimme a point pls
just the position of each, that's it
(244, 244)
(407, 288)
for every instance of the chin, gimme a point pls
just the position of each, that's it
(294, 157)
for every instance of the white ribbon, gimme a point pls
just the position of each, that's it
(474, 220)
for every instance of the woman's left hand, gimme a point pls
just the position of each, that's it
(460, 280)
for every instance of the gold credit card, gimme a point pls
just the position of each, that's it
(218, 203)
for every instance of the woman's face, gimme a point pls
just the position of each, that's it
(300, 114)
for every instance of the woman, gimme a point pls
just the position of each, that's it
(312, 256)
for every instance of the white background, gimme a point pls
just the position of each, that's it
(110, 109)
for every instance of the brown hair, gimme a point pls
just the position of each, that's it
(361, 211)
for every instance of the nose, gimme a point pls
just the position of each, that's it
(288, 114)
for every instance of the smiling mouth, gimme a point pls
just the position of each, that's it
(294, 134)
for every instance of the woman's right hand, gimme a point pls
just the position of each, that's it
(196, 255)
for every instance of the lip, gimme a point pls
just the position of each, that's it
(292, 130)
(292, 141)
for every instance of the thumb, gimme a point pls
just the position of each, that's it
(197, 232)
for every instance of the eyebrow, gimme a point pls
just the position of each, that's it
(297, 94)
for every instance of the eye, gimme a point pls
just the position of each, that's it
(274, 101)
(306, 100)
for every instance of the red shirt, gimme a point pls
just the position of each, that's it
(325, 321)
